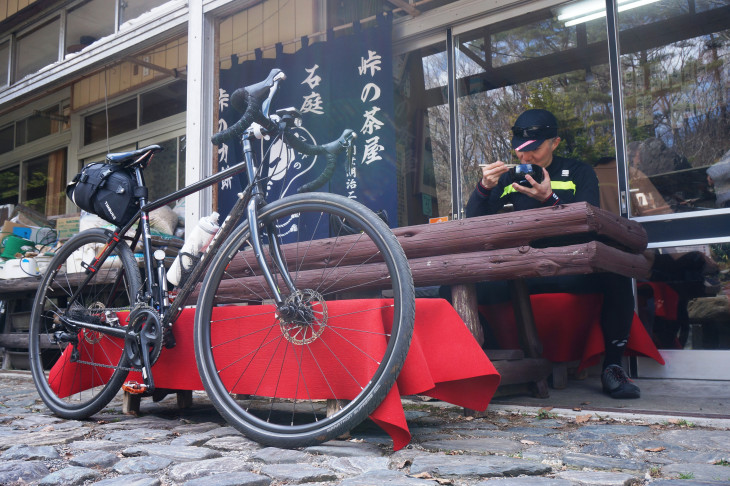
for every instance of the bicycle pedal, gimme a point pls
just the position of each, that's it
(134, 388)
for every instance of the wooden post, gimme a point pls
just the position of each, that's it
(527, 330)
(131, 403)
(464, 300)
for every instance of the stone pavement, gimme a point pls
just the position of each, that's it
(519, 446)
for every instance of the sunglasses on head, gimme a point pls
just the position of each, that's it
(531, 132)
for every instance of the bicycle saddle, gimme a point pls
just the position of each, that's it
(128, 158)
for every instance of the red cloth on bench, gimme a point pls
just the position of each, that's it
(444, 360)
(569, 328)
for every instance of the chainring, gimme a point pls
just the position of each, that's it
(143, 320)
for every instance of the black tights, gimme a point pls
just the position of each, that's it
(617, 311)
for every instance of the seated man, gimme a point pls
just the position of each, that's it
(535, 137)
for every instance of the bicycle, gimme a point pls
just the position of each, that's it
(95, 317)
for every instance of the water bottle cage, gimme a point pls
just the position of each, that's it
(185, 271)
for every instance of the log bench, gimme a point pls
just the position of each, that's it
(563, 240)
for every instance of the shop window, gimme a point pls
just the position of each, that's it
(170, 161)
(533, 61)
(4, 63)
(131, 9)
(9, 183)
(422, 135)
(37, 49)
(685, 303)
(44, 182)
(162, 102)
(6, 139)
(121, 118)
(89, 22)
(37, 126)
(675, 75)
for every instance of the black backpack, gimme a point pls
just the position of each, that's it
(106, 190)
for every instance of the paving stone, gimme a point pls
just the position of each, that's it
(699, 472)
(385, 478)
(612, 449)
(697, 439)
(602, 462)
(339, 448)
(357, 465)
(130, 480)
(685, 482)
(19, 470)
(297, 473)
(35, 420)
(176, 453)
(232, 443)
(525, 481)
(144, 464)
(41, 438)
(30, 453)
(231, 479)
(478, 466)
(195, 428)
(492, 446)
(70, 476)
(93, 444)
(591, 478)
(274, 455)
(138, 436)
(102, 459)
(190, 470)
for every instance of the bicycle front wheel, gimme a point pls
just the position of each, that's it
(77, 371)
(341, 334)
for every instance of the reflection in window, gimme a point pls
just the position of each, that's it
(9, 182)
(121, 118)
(37, 126)
(6, 139)
(45, 180)
(422, 135)
(37, 49)
(532, 62)
(162, 102)
(685, 304)
(131, 9)
(89, 22)
(4, 63)
(170, 161)
(675, 73)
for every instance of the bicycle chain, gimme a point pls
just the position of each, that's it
(115, 310)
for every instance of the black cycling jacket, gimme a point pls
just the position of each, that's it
(571, 179)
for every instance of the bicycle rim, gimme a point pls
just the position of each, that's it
(344, 336)
(78, 371)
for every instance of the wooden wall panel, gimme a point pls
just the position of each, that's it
(11, 7)
(262, 26)
(126, 76)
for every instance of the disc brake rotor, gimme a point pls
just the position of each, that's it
(307, 317)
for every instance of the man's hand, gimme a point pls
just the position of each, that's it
(492, 172)
(540, 191)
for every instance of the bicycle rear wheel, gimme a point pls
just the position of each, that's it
(342, 334)
(78, 371)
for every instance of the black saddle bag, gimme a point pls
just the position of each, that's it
(105, 190)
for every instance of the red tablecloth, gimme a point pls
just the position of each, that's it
(569, 328)
(444, 360)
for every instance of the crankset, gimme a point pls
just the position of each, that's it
(143, 342)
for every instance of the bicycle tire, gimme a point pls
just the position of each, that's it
(239, 390)
(76, 389)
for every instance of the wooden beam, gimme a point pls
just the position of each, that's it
(170, 72)
(412, 11)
